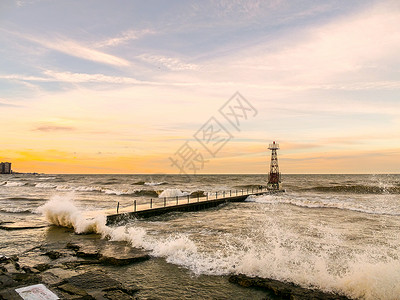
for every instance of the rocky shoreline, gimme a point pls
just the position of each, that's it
(76, 270)
(65, 276)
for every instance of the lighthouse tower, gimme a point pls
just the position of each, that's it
(274, 177)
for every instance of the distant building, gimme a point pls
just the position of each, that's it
(5, 168)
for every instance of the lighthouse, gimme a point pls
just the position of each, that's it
(274, 177)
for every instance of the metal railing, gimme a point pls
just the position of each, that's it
(180, 200)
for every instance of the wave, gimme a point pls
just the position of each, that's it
(249, 186)
(14, 210)
(172, 193)
(272, 251)
(25, 199)
(139, 183)
(61, 211)
(199, 193)
(45, 185)
(155, 183)
(136, 193)
(13, 183)
(322, 203)
(46, 178)
(356, 189)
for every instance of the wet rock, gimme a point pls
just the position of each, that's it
(50, 279)
(12, 267)
(72, 289)
(118, 295)
(26, 279)
(123, 258)
(7, 281)
(9, 294)
(283, 290)
(53, 254)
(62, 273)
(42, 267)
(94, 280)
(20, 227)
(72, 246)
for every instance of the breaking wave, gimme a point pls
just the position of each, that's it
(15, 210)
(135, 193)
(155, 183)
(12, 183)
(270, 251)
(61, 211)
(172, 193)
(357, 189)
(331, 202)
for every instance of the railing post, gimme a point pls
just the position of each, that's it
(207, 196)
(151, 202)
(242, 192)
(236, 192)
(224, 194)
(216, 195)
(188, 198)
(247, 191)
(177, 202)
(117, 207)
(134, 206)
(230, 193)
(165, 201)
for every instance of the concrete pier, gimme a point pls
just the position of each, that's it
(196, 205)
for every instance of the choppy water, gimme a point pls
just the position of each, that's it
(334, 232)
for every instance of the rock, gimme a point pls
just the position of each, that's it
(26, 278)
(12, 267)
(20, 227)
(4, 258)
(53, 254)
(61, 273)
(71, 289)
(73, 246)
(50, 279)
(94, 280)
(123, 258)
(42, 267)
(9, 294)
(282, 289)
(7, 281)
(118, 295)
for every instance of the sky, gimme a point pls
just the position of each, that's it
(190, 87)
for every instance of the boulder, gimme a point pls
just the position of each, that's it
(284, 290)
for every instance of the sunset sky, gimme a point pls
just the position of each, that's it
(120, 86)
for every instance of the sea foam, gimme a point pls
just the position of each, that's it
(172, 193)
(270, 251)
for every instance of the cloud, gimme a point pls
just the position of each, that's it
(74, 48)
(124, 37)
(6, 104)
(50, 128)
(173, 64)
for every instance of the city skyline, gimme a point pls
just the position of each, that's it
(101, 87)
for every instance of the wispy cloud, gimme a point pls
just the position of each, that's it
(124, 37)
(7, 104)
(74, 48)
(173, 64)
(50, 128)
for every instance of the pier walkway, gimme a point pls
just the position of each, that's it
(159, 206)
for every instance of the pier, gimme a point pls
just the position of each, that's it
(159, 206)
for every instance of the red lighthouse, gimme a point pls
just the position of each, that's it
(274, 176)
